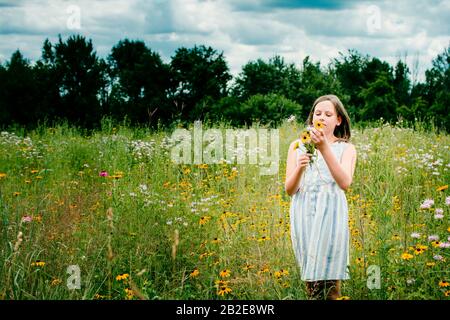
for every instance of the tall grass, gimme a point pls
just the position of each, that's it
(152, 229)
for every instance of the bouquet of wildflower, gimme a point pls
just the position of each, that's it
(305, 138)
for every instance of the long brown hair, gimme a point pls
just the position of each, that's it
(341, 131)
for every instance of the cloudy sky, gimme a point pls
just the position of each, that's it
(243, 29)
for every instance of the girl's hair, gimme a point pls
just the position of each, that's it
(343, 130)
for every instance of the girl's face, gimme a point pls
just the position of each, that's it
(326, 113)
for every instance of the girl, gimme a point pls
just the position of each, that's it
(319, 212)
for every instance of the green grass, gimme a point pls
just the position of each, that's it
(155, 231)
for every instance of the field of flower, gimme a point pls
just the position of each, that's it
(111, 216)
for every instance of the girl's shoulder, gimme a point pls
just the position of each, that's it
(347, 146)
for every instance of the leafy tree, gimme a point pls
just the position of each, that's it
(268, 109)
(379, 99)
(260, 77)
(82, 76)
(47, 80)
(348, 69)
(402, 84)
(18, 91)
(140, 83)
(5, 117)
(197, 73)
(438, 88)
(314, 83)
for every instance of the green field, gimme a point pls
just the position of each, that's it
(139, 226)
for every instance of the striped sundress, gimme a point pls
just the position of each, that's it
(319, 222)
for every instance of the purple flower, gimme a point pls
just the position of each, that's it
(438, 216)
(427, 204)
(433, 237)
(27, 219)
(438, 257)
(103, 173)
(439, 211)
(415, 235)
(444, 245)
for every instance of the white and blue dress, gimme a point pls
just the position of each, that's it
(319, 221)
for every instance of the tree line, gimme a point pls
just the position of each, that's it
(71, 82)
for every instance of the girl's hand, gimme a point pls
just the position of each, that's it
(319, 139)
(303, 160)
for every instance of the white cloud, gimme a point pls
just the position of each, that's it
(243, 30)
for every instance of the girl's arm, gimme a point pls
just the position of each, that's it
(294, 170)
(341, 172)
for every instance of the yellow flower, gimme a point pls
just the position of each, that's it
(431, 264)
(319, 125)
(129, 293)
(281, 273)
(296, 146)
(442, 188)
(343, 298)
(15, 194)
(448, 229)
(2, 175)
(38, 263)
(194, 273)
(264, 269)
(436, 244)
(34, 171)
(407, 256)
(263, 238)
(55, 282)
(305, 137)
(447, 293)
(223, 290)
(221, 283)
(444, 284)
(419, 249)
(248, 267)
(204, 220)
(396, 237)
(122, 276)
(224, 273)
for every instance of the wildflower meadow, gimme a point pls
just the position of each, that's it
(109, 215)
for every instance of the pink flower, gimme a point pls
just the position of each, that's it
(444, 245)
(438, 216)
(103, 173)
(27, 219)
(439, 211)
(427, 204)
(438, 257)
(415, 235)
(447, 201)
(433, 238)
